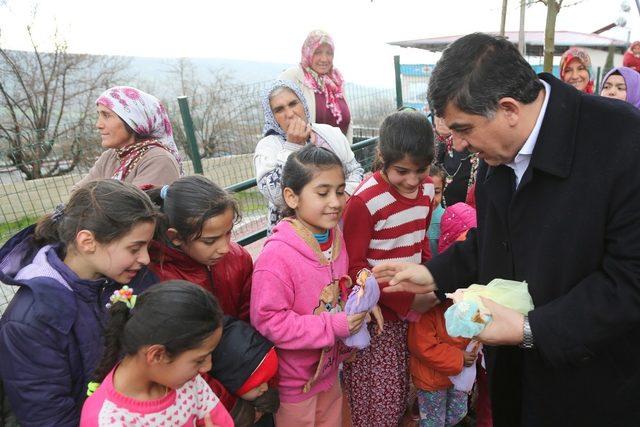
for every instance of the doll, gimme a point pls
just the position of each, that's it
(364, 297)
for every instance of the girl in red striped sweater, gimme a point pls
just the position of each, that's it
(386, 219)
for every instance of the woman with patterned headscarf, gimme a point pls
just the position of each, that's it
(321, 83)
(631, 57)
(135, 129)
(575, 69)
(288, 127)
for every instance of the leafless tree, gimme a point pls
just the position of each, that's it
(553, 8)
(225, 114)
(47, 101)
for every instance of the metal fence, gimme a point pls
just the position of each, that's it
(227, 127)
(32, 163)
(252, 205)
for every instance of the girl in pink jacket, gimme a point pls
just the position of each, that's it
(300, 284)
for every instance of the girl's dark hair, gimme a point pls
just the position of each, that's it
(405, 133)
(189, 202)
(435, 170)
(243, 413)
(175, 314)
(269, 401)
(108, 208)
(302, 165)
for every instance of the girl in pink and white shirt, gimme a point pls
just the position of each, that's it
(166, 338)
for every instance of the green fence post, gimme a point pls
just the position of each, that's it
(187, 122)
(597, 89)
(396, 66)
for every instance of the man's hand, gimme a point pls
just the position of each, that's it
(505, 327)
(298, 131)
(404, 276)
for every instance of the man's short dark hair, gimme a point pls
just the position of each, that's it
(476, 71)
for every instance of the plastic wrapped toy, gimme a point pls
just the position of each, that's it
(363, 297)
(467, 317)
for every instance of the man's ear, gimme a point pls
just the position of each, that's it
(86, 242)
(174, 237)
(512, 110)
(155, 354)
(290, 198)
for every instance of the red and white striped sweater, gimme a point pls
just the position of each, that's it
(380, 224)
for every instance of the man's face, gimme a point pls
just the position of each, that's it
(492, 138)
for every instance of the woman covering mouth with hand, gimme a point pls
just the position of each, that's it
(289, 127)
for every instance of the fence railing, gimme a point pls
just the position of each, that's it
(364, 152)
(25, 197)
(253, 227)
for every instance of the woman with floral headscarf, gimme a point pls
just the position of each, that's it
(575, 69)
(135, 129)
(631, 57)
(288, 127)
(321, 83)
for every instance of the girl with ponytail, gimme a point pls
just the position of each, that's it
(156, 347)
(193, 242)
(66, 267)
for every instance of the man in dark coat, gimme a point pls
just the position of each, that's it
(558, 205)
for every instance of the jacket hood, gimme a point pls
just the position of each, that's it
(54, 286)
(292, 233)
(239, 353)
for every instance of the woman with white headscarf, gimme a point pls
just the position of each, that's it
(135, 129)
(288, 127)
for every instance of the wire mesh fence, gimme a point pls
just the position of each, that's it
(37, 171)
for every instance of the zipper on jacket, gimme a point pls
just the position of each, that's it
(210, 275)
(101, 320)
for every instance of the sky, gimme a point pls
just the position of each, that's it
(273, 30)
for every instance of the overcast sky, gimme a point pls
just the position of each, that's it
(273, 30)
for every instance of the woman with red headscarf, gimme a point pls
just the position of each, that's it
(322, 84)
(575, 69)
(631, 57)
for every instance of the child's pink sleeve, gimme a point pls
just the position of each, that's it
(220, 417)
(272, 315)
(210, 406)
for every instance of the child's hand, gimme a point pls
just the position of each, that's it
(298, 131)
(355, 321)
(469, 358)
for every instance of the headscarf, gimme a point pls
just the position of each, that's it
(582, 56)
(630, 50)
(631, 80)
(147, 117)
(271, 126)
(455, 220)
(329, 84)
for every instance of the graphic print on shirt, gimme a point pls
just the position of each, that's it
(331, 300)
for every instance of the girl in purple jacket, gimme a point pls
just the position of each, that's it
(67, 266)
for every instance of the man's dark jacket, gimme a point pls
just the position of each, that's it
(571, 231)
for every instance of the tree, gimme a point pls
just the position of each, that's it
(226, 115)
(553, 8)
(503, 17)
(47, 101)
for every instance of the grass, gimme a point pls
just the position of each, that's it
(7, 229)
(251, 201)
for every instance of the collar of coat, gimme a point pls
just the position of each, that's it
(555, 146)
